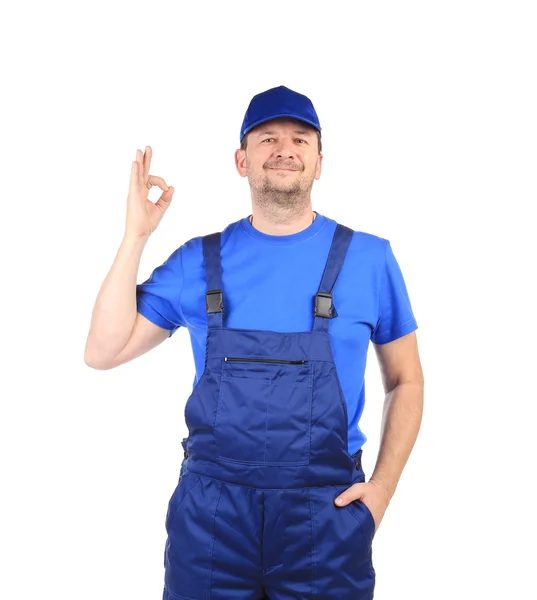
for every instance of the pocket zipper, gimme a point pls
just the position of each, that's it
(269, 360)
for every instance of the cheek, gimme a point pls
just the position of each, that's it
(257, 161)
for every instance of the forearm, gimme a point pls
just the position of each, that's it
(114, 312)
(401, 420)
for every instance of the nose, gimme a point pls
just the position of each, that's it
(283, 149)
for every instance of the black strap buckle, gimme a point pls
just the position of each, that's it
(214, 301)
(184, 444)
(323, 305)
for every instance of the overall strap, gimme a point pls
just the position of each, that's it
(324, 309)
(214, 298)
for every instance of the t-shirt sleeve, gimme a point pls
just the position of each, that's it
(159, 297)
(395, 316)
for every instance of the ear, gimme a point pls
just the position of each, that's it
(319, 166)
(240, 162)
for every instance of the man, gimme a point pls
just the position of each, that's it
(281, 306)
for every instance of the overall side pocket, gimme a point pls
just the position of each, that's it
(187, 481)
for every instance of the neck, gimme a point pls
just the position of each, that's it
(272, 224)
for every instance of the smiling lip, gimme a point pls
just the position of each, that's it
(279, 169)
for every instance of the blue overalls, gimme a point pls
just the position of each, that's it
(253, 513)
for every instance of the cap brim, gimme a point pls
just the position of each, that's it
(280, 115)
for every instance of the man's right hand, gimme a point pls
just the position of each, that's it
(143, 215)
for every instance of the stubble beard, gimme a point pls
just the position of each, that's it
(275, 198)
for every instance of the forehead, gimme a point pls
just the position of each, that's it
(282, 123)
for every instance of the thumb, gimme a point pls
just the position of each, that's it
(165, 199)
(349, 495)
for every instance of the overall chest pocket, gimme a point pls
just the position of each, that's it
(264, 411)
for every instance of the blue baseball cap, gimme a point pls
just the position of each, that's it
(279, 102)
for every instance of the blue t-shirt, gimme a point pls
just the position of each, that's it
(269, 283)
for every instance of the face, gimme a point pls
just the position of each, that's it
(281, 160)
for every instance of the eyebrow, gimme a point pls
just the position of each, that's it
(299, 131)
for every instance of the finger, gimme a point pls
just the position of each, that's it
(153, 180)
(140, 161)
(165, 199)
(147, 161)
(349, 495)
(134, 176)
(343, 500)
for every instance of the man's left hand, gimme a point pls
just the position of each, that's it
(372, 494)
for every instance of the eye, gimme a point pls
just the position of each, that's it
(299, 139)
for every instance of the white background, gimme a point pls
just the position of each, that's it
(429, 124)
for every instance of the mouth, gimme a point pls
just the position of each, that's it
(278, 169)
